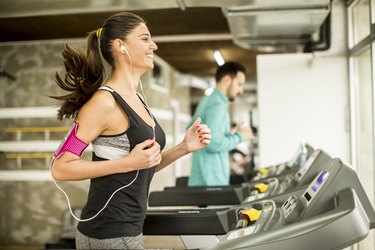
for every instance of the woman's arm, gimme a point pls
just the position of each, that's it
(94, 119)
(70, 167)
(197, 137)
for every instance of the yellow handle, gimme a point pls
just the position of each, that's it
(263, 171)
(261, 187)
(253, 214)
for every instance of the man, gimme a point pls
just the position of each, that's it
(211, 165)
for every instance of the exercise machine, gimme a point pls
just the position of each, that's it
(332, 212)
(232, 195)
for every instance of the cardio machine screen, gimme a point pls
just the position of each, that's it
(322, 177)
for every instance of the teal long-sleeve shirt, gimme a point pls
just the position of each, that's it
(210, 165)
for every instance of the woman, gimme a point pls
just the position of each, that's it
(127, 140)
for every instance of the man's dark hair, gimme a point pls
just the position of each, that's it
(229, 68)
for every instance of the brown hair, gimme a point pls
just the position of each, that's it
(229, 68)
(85, 71)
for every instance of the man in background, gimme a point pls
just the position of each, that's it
(211, 165)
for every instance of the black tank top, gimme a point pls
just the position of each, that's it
(126, 211)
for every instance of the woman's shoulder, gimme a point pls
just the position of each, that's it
(100, 102)
(97, 113)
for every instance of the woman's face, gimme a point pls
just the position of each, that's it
(141, 47)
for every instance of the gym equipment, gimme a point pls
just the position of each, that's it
(332, 212)
(232, 195)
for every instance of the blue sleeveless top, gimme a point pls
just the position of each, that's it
(126, 211)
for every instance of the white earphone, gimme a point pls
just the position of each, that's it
(124, 49)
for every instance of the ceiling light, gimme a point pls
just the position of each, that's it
(208, 91)
(219, 57)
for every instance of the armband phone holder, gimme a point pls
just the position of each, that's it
(71, 143)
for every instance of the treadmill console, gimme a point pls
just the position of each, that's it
(257, 216)
(315, 186)
(262, 189)
(292, 180)
(335, 189)
(307, 165)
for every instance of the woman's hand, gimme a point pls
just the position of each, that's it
(197, 136)
(144, 155)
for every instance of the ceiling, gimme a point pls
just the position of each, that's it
(186, 31)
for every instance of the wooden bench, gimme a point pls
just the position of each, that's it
(46, 130)
(28, 155)
(47, 155)
(20, 156)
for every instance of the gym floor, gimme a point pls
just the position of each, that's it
(163, 242)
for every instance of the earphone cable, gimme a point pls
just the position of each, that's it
(105, 205)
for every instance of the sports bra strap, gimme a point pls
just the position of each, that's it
(133, 116)
(106, 88)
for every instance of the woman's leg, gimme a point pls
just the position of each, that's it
(133, 242)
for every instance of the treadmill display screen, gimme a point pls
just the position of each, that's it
(322, 177)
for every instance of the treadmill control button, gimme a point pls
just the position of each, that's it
(263, 171)
(261, 187)
(253, 214)
(248, 216)
(292, 209)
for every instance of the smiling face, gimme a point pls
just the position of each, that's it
(141, 47)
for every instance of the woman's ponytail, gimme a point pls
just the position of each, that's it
(85, 71)
(84, 75)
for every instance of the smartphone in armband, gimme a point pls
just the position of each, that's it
(71, 143)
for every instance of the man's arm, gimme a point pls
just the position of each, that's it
(216, 118)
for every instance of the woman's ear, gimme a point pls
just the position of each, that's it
(117, 43)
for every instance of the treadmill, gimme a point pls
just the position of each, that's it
(271, 187)
(332, 212)
(232, 195)
(303, 152)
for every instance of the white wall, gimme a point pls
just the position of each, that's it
(300, 102)
(304, 98)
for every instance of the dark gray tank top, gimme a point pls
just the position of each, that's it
(125, 213)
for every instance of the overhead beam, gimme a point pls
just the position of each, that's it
(193, 38)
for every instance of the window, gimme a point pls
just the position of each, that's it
(362, 99)
(160, 77)
(360, 13)
(157, 76)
